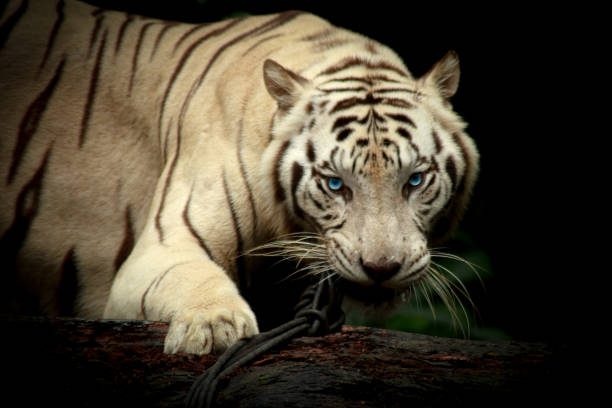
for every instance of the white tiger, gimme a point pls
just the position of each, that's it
(139, 158)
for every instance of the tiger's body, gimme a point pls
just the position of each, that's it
(139, 158)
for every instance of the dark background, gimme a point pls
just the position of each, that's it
(518, 82)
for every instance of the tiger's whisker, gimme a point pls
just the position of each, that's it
(444, 288)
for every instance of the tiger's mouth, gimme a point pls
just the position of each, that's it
(374, 295)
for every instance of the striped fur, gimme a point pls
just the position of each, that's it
(140, 157)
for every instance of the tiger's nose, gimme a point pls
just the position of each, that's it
(381, 270)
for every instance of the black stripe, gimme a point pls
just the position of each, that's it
(259, 30)
(344, 134)
(341, 250)
(401, 118)
(393, 90)
(435, 196)
(68, 289)
(167, 183)
(154, 285)
(311, 124)
(278, 187)
(186, 35)
(316, 203)
(377, 117)
(404, 133)
(160, 34)
(397, 102)
(297, 174)
(350, 62)
(389, 142)
(432, 180)
(93, 38)
(54, 30)
(322, 189)
(320, 35)
(310, 151)
(26, 209)
(244, 174)
(351, 102)
(136, 55)
(297, 171)
(370, 100)
(468, 162)
(419, 226)
(128, 240)
(9, 24)
(30, 121)
(128, 20)
(366, 159)
(340, 260)
(143, 311)
(332, 158)
(355, 163)
(262, 41)
(336, 226)
(330, 43)
(91, 94)
(451, 169)
(188, 52)
(193, 231)
(165, 150)
(343, 121)
(369, 80)
(342, 90)
(237, 229)
(309, 108)
(437, 141)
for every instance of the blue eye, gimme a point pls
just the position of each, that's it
(415, 179)
(335, 183)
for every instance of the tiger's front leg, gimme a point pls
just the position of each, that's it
(180, 285)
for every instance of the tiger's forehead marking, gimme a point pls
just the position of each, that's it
(370, 104)
(378, 114)
(380, 144)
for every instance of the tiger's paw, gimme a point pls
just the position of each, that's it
(209, 330)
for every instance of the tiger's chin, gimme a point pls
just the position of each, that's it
(376, 298)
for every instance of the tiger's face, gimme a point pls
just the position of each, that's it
(372, 169)
(371, 194)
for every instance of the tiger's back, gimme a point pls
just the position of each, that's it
(77, 178)
(84, 137)
(141, 158)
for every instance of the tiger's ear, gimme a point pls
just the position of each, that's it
(283, 85)
(444, 75)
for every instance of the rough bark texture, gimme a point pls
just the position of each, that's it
(76, 362)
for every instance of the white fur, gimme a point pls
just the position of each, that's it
(145, 166)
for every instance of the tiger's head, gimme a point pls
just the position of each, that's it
(376, 164)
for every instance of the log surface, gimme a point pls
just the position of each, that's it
(77, 362)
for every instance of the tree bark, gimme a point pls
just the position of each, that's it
(74, 362)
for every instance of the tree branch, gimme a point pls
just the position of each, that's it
(77, 362)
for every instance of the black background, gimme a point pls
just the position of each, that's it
(518, 94)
